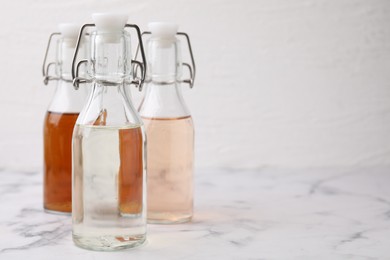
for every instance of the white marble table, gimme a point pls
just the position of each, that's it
(265, 214)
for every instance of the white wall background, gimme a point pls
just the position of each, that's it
(280, 82)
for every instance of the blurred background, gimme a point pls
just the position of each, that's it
(280, 83)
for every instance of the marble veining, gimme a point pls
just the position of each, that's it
(323, 213)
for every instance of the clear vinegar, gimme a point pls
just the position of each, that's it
(58, 129)
(108, 212)
(170, 153)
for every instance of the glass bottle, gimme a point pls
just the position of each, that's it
(59, 122)
(109, 172)
(169, 129)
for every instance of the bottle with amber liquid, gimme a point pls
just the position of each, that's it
(109, 169)
(169, 128)
(59, 122)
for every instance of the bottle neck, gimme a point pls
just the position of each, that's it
(163, 101)
(110, 58)
(109, 69)
(66, 99)
(163, 97)
(164, 61)
(65, 50)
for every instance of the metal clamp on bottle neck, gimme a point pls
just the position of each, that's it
(46, 68)
(66, 42)
(191, 67)
(108, 37)
(192, 70)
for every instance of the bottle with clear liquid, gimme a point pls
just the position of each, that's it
(169, 129)
(59, 122)
(109, 171)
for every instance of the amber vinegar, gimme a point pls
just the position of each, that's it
(58, 129)
(60, 120)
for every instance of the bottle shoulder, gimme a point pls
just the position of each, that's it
(165, 101)
(68, 100)
(110, 107)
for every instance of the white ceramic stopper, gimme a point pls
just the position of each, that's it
(69, 33)
(163, 30)
(110, 25)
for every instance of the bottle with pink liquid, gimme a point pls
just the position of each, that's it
(169, 127)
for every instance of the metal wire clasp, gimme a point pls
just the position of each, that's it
(138, 81)
(46, 69)
(191, 69)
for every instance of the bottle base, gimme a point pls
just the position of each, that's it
(109, 243)
(168, 218)
(58, 207)
(56, 212)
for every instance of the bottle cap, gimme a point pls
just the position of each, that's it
(69, 33)
(163, 30)
(109, 25)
